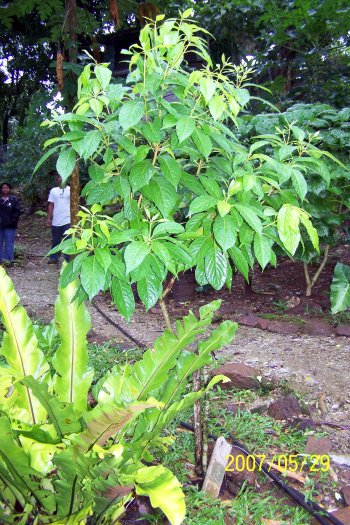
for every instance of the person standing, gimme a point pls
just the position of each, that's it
(58, 215)
(9, 215)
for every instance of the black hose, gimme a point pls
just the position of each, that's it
(310, 506)
(117, 326)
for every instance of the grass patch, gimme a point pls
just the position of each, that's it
(104, 357)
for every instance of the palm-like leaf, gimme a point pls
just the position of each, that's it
(150, 373)
(21, 351)
(73, 376)
(105, 421)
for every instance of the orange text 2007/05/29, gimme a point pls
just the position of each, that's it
(291, 462)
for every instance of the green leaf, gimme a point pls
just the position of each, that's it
(45, 157)
(202, 203)
(239, 261)
(185, 127)
(169, 227)
(211, 186)
(151, 130)
(163, 194)
(89, 145)
(92, 276)
(249, 216)
(103, 256)
(217, 106)
(171, 169)
(223, 208)
(215, 264)
(164, 491)
(73, 376)
(207, 87)
(123, 297)
(103, 422)
(103, 75)
(131, 113)
(18, 471)
(299, 183)
(163, 254)
(288, 227)
(140, 174)
(202, 142)
(61, 413)
(340, 288)
(312, 232)
(200, 247)
(117, 268)
(149, 289)
(20, 349)
(262, 249)
(134, 254)
(225, 231)
(65, 163)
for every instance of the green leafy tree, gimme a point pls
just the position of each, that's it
(299, 48)
(186, 193)
(326, 196)
(62, 461)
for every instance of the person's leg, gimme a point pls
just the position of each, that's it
(10, 234)
(56, 239)
(2, 240)
(64, 229)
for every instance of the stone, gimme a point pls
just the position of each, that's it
(240, 475)
(345, 492)
(248, 320)
(303, 423)
(343, 329)
(262, 323)
(285, 408)
(234, 408)
(216, 469)
(319, 446)
(340, 459)
(315, 327)
(259, 407)
(283, 328)
(243, 377)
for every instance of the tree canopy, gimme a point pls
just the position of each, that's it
(299, 49)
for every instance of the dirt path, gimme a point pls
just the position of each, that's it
(312, 365)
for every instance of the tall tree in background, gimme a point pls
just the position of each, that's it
(71, 20)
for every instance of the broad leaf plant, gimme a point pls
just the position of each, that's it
(171, 187)
(68, 457)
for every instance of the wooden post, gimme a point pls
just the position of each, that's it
(216, 468)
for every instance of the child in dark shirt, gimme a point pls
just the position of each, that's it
(9, 215)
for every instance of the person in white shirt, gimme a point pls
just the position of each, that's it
(58, 215)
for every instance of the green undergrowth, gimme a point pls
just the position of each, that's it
(260, 434)
(104, 356)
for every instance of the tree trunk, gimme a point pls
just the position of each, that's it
(310, 283)
(5, 131)
(71, 17)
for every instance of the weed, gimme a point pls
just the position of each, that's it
(103, 357)
(341, 318)
(280, 305)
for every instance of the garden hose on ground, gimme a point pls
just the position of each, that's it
(310, 506)
(117, 326)
(320, 514)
